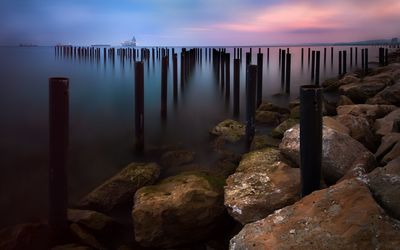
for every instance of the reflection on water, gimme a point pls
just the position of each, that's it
(102, 113)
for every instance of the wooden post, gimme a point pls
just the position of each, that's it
(356, 56)
(366, 59)
(139, 106)
(313, 66)
(251, 83)
(351, 56)
(228, 75)
(259, 77)
(302, 56)
(344, 62)
(283, 60)
(58, 156)
(164, 87)
(340, 62)
(332, 55)
(317, 66)
(175, 75)
(310, 138)
(386, 57)
(309, 56)
(288, 69)
(236, 86)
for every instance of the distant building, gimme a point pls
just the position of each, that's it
(395, 40)
(130, 43)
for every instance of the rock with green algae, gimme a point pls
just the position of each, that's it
(179, 210)
(229, 130)
(262, 183)
(343, 216)
(262, 141)
(120, 189)
(272, 118)
(281, 128)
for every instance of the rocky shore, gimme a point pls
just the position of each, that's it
(251, 200)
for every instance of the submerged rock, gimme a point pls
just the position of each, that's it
(344, 216)
(230, 130)
(262, 183)
(176, 158)
(179, 210)
(339, 151)
(119, 189)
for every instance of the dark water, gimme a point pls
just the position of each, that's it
(102, 116)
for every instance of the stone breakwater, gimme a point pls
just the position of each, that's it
(251, 200)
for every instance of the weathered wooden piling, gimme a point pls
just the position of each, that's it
(366, 60)
(362, 59)
(332, 55)
(313, 65)
(175, 75)
(317, 67)
(164, 68)
(139, 106)
(340, 62)
(381, 56)
(386, 57)
(283, 60)
(344, 62)
(309, 56)
(236, 86)
(251, 82)
(310, 138)
(228, 75)
(351, 56)
(222, 67)
(58, 156)
(302, 56)
(288, 71)
(259, 77)
(356, 56)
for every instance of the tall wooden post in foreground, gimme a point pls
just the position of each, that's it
(139, 106)
(251, 83)
(58, 156)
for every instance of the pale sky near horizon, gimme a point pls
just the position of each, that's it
(197, 22)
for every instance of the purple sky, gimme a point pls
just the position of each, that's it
(197, 22)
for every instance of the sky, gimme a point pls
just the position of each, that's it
(197, 22)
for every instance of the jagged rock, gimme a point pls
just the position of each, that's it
(344, 216)
(389, 148)
(344, 100)
(261, 184)
(333, 124)
(179, 210)
(281, 128)
(339, 151)
(334, 83)
(359, 92)
(384, 125)
(262, 141)
(384, 183)
(390, 95)
(85, 236)
(229, 130)
(360, 166)
(360, 130)
(177, 158)
(92, 220)
(25, 236)
(269, 117)
(119, 189)
(267, 106)
(371, 112)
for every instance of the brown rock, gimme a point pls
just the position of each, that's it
(384, 125)
(281, 128)
(267, 106)
(389, 148)
(119, 189)
(390, 95)
(269, 117)
(181, 209)
(262, 141)
(85, 236)
(177, 158)
(344, 216)
(340, 151)
(371, 112)
(335, 125)
(359, 92)
(91, 219)
(229, 130)
(344, 100)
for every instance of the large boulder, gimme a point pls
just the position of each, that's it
(262, 141)
(269, 117)
(118, 191)
(339, 151)
(334, 83)
(384, 183)
(335, 125)
(344, 216)
(344, 100)
(360, 130)
(390, 95)
(179, 210)
(262, 183)
(278, 131)
(371, 112)
(389, 148)
(92, 220)
(267, 106)
(384, 126)
(229, 130)
(359, 92)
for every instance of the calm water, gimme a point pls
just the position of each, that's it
(102, 116)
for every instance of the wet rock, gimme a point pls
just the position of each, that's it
(261, 185)
(177, 158)
(344, 100)
(334, 124)
(331, 84)
(371, 112)
(359, 92)
(85, 236)
(390, 95)
(229, 130)
(389, 148)
(360, 166)
(92, 220)
(262, 141)
(267, 106)
(25, 236)
(269, 117)
(384, 125)
(339, 151)
(179, 210)
(294, 103)
(119, 189)
(384, 183)
(334, 83)
(360, 130)
(295, 112)
(326, 219)
(281, 128)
